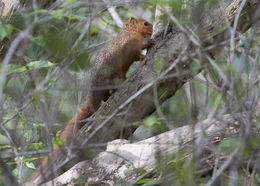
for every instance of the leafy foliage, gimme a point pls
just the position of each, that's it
(46, 79)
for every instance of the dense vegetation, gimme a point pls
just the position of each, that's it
(47, 49)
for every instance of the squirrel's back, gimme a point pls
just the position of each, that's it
(109, 69)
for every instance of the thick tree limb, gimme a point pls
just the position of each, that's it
(134, 101)
(121, 155)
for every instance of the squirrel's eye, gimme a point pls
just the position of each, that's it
(145, 24)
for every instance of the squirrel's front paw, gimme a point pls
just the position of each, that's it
(151, 42)
(141, 57)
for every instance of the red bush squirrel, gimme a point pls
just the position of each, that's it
(109, 69)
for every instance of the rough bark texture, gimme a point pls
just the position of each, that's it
(108, 123)
(111, 166)
(7, 9)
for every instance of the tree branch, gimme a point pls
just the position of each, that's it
(135, 99)
(121, 155)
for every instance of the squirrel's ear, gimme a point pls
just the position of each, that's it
(132, 22)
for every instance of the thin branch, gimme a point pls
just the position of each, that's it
(233, 31)
(114, 14)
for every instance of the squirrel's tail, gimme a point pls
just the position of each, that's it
(73, 126)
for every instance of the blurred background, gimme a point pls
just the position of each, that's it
(46, 52)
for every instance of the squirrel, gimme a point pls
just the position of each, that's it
(109, 70)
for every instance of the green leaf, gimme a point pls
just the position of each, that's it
(40, 64)
(28, 135)
(136, 124)
(5, 31)
(30, 165)
(15, 68)
(142, 171)
(93, 30)
(150, 121)
(130, 169)
(68, 2)
(15, 172)
(39, 40)
(145, 180)
(76, 16)
(58, 14)
(228, 145)
(51, 81)
(58, 142)
(43, 11)
(37, 146)
(32, 65)
(58, 134)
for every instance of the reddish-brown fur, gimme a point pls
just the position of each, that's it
(109, 69)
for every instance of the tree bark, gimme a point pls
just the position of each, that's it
(135, 100)
(121, 155)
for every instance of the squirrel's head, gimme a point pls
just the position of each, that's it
(139, 25)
